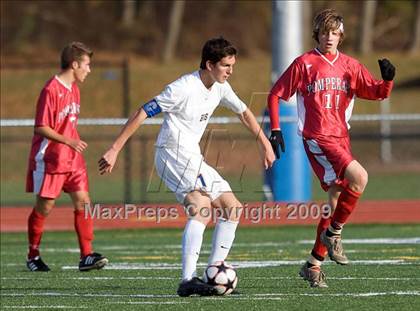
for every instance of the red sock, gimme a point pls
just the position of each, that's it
(345, 205)
(319, 248)
(35, 230)
(84, 229)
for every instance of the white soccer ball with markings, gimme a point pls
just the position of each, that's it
(222, 276)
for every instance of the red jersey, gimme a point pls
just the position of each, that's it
(58, 107)
(325, 92)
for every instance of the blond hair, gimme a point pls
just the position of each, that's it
(325, 21)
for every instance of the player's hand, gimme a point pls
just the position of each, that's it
(387, 69)
(276, 141)
(78, 145)
(269, 157)
(107, 162)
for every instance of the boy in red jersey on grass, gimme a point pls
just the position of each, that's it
(326, 83)
(56, 162)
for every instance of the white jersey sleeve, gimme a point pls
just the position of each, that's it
(171, 97)
(231, 100)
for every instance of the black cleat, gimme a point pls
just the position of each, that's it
(195, 286)
(92, 261)
(37, 265)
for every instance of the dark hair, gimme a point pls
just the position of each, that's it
(326, 21)
(215, 49)
(74, 52)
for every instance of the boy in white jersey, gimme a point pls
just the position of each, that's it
(187, 104)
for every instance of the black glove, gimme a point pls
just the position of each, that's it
(387, 69)
(276, 139)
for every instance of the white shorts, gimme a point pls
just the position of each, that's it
(184, 172)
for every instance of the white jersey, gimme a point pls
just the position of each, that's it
(187, 106)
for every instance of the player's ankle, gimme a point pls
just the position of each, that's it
(332, 232)
(32, 255)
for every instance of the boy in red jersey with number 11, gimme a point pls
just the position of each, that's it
(326, 83)
(56, 162)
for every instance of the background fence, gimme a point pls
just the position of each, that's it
(387, 144)
(226, 145)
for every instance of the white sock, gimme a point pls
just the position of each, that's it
(191, 246)
(223, 236)
(335, 231)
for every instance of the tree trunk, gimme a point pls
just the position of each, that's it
(307, 25)
(415, 47)
(367, 26)
(175, 22)
(129, 10)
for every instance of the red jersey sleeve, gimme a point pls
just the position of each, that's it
(283, 89)
(368, 87)
(45, 110)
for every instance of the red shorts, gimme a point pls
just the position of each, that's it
(329, 158)
(50, 185)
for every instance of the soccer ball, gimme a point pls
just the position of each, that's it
(222, 276)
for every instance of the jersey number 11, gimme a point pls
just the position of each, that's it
(327, 101)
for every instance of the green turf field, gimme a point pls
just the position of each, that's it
(145, 267)
(381, 186)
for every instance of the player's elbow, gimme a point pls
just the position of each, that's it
(40, 130)
(246, 116)
(272, 101)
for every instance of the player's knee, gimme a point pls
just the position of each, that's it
(228, 207)
(82, 204)
(234, 213)
(44, 206)
(191, 210)
(43, 210)
(365, 179)
(361, 181)
(199, 213)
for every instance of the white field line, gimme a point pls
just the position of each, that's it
(97, 278)
(236, 264)
(145, 254)
(413, 240)
(373, 241)
(253, 296)
(177, 252)
(333, 278)
(55, 294)
(139, 303)
(107, 278)
(149, 302)
(367, 294)
(242, 297)
(151, 249)
(42, 307)
(139, 252)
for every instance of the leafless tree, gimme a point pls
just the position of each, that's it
(307, 25)
(175, 22)
(415, 46)
(129, 10)
(366, 29)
